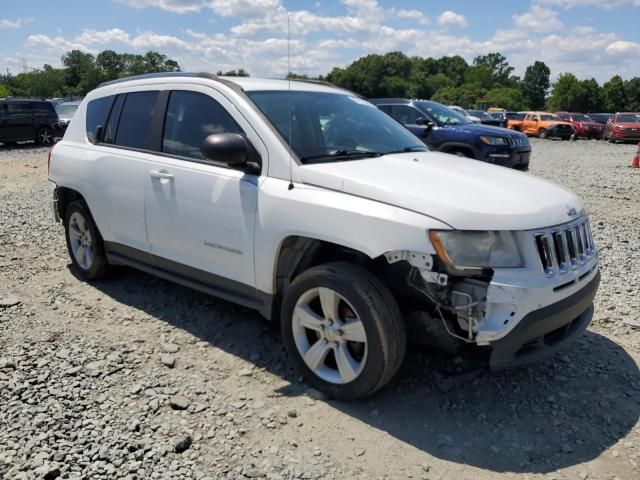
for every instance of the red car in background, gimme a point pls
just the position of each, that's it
(623, 127)
(585, 126)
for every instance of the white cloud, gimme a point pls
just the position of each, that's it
(17, 23)
(412, 14)
(607, 4)
(622, 47)
(539, 19)
(257, 42)
(452, 18)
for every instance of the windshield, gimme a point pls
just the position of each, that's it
(333, 127)
(579, 117)
(550, 118)
(480, 114)
(66, 110)
(441, 114)
(515, 116)
(629, 118)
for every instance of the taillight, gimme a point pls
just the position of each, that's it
(49, 159)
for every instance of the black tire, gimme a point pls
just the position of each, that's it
(461, 153)
(45, 137)
(97, 268)
(543, 133)
(379, 313)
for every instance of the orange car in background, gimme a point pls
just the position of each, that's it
(546, 125)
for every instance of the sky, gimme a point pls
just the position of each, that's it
(590, 38)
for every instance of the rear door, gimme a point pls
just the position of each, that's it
(125, 130)
(201, 214)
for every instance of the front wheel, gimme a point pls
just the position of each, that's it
(84, 242)
(343, 329)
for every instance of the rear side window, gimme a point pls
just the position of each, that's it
(43, 108)
(135, 128)
(109, 135)
(18, 109)
(97, 111)
(191, 117)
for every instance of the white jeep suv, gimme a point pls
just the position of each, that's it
(310, 205)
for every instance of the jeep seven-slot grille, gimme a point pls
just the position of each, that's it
(565, 248)
(519, 141)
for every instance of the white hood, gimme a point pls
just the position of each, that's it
(466, 194)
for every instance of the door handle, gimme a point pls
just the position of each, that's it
(161, 174)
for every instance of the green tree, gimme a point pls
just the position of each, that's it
(79, 66)
(241, 72)
(497, 66)
(592, 95)
(466, 96)
(614, 95)
(632, 89)
(535, 85)
(4, 90)
(567, 94)
(509, 98)
(111, 64)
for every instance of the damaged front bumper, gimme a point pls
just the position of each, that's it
(543, 332)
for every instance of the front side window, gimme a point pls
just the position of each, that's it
(97, 111)
(405, 114)
(135, 126)
(192, 117)
(323, 127)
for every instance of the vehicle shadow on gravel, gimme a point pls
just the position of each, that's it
(538, 419)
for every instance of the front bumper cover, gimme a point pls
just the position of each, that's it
(543, 332)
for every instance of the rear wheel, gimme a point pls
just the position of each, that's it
(543, 133)
(84, 242)
(45, 136)
(343, 329)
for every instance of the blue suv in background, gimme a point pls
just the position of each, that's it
(445, 130)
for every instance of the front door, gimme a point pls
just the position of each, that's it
(201, 215)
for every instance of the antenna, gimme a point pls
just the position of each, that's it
(289, 99)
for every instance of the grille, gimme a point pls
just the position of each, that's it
(565, 248)
(519, 141)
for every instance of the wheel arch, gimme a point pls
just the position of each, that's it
(64, 197)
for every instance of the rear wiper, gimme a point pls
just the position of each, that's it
(342, 155)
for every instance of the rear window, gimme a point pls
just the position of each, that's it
(134, 128)
(43, 108)
(97, 111)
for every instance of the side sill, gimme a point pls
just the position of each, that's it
(222, 288)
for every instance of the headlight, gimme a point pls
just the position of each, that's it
(620, 127)
(473, 250)
(494, 140)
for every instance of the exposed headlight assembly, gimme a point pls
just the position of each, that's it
(476, 250)
(494, 140)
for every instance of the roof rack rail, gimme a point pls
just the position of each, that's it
(159, 75)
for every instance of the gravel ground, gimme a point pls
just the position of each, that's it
(137, 378)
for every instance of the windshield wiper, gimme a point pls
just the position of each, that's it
(413, 148)
(342, 155)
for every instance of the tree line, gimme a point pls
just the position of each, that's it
(487, 80)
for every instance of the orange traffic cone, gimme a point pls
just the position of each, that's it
(635, 163)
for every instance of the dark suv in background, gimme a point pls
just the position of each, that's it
(22, 120)
(447, 131)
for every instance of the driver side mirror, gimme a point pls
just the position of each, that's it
(425, 122)
(230, 148)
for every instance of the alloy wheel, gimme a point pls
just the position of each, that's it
(81, 241)
(329, 335)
